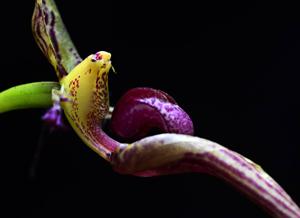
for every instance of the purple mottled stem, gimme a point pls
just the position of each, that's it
(143, 109)
(173, 153)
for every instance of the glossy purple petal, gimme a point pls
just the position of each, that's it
(141, 110)
(53, 117)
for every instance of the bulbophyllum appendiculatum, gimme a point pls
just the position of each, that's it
(82, 94)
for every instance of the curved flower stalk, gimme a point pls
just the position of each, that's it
(173, 153)
(83, 96)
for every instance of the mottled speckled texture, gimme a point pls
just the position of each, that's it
(86, 88)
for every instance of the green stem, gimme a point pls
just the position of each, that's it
(31, 95)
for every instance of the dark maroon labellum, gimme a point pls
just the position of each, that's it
(142, 110)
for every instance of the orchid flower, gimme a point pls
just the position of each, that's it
(82, 94)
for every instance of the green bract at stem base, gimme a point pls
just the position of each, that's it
(31, 95)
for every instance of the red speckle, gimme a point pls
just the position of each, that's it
(97, 57)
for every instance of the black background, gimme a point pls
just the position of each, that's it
(234, 67)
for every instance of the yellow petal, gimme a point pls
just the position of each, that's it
(86, 91)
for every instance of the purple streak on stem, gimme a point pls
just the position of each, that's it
(173, 153)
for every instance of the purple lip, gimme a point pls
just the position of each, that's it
(141, 110)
